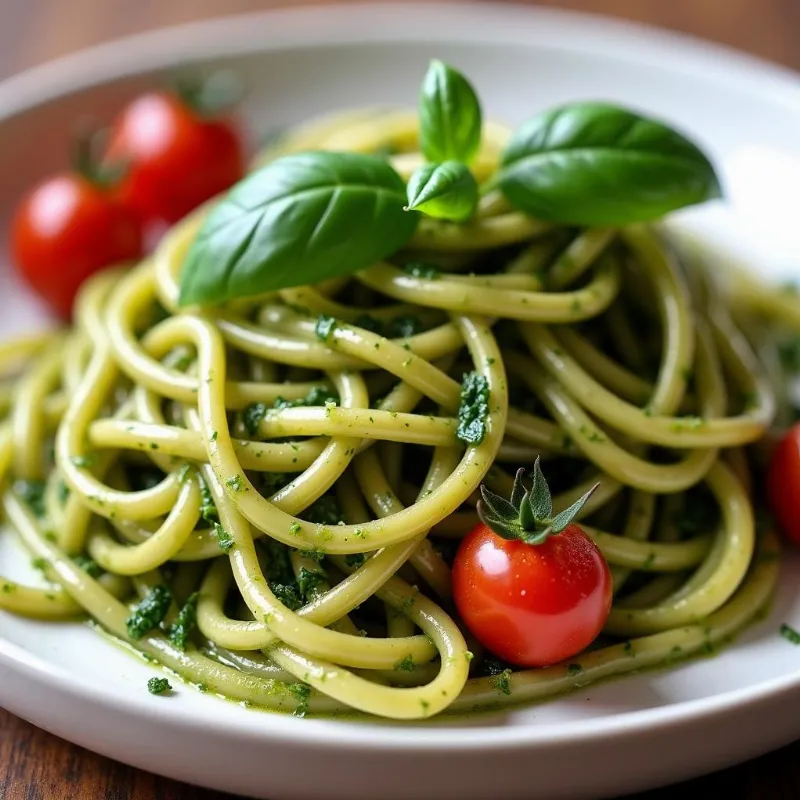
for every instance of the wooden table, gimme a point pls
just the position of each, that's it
(34, 764)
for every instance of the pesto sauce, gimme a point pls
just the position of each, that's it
(158, 686)
(149, 613)
(473, 409)
(31, 492)
(184, 623)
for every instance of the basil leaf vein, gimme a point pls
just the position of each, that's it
(447, 191)
(598, 164)
(299, 220)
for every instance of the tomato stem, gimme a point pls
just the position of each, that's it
(528, 514)
(210, 96)
(87, 145)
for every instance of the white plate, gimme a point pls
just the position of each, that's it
(621, 736)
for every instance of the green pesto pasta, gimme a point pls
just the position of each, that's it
(305, 487)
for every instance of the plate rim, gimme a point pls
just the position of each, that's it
(353, 23)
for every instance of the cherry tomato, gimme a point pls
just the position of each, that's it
(67, 228)
(175, 158)
(783, 484)
(532, 604)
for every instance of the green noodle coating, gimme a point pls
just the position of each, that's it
(265, 496)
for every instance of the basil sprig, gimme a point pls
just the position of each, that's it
(449, 116)
(299, 220)
(596, 164)
(312, 216)
(447, 191)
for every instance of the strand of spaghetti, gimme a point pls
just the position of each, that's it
(173, 441)
(27, 413)
(572, 306)
(581, 253)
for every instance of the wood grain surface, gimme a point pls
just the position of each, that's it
(35, 765)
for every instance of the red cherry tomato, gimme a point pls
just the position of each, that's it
(783, 484)
(532, 605)
(66, 229)
(175, 158)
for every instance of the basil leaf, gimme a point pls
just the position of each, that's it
(299, 220)
(446, 191)
(597, 164)
(449, 115)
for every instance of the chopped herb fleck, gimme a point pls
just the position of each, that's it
(158, 686)
(317, 396)
(295, 529)
(502, 682)
(408, 603)
(63, 492)
(574, 669)
(149, 613)
(89, 566)
(301, 692)
(325, 327)
(406, 664)
(355, 559)
(83, 461)
(473, 409)
(184, 623)
(288, 594)
(790, 634)
(32, 494)
(314, 553)
(310, 582)
(592, 434)
(235, 483)
(224, 539)
(252, 416)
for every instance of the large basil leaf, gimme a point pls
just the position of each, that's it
(447, 191)
(299, 220)
(597, 164)
(449, 115)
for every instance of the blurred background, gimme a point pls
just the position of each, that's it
(32, 31)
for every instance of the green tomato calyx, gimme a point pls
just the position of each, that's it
(528, 514)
